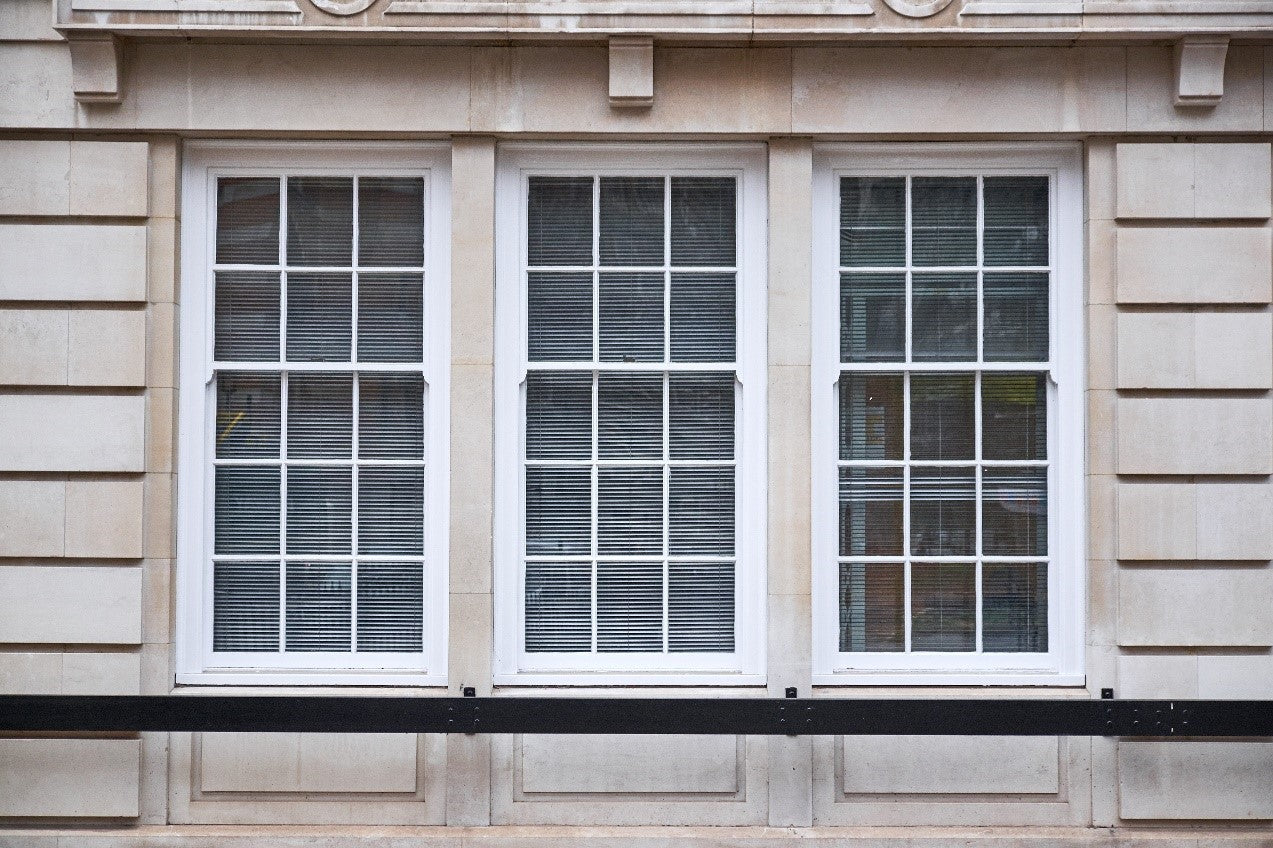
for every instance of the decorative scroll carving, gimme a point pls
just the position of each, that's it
(343, 7)
(917, 8)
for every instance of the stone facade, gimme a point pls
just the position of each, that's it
(1178, 269)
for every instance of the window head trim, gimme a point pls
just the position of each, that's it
(1062, 665)
(204, 162)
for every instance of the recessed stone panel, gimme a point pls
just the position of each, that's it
(587, 764)
(1195, 780)
(951, 765)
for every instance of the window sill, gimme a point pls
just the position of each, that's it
(968, 679)
(628, 678)
(308, 680)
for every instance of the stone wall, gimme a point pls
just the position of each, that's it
(1179, 447)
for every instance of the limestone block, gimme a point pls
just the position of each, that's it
(951, 764)
(1199, 181)
(1245, 676)
(69, 777)
(638, 764)
(308, 762)
(34, 177)
(1155, 180)
(27, 20)
(40, 672)
(70, 605)
(107, 348)
(1195, 265)
(36, 67)
(1195, 607)
(1232, 181)
(72, 262)
(1157, 521)
(1191, 435)
(1199, 350)
(95, 178)
(104, 518)
(1235, 521)
(1195, 780)
(72, 433)
(1156, 676)
(33, 347)
(34, 515)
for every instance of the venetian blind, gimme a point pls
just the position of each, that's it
(630, 406)
(318, 456)
(943, 406)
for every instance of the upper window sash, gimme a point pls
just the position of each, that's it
(931, 285)
(624, 265)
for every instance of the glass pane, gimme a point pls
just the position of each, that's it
(701, 409)
(391, 607)
(630, 416)
(631, 218)
(942, 412)
(700, 607)
(630, 510)
(870, 416)
(944, 221)
(558, 606)
(558, 511)
(1014, 416)
(871, 607)
(704, 221)
(629, 606)
(1016, 220)
(944, 317)
(247, 220)
(701, 511)
(558, 316)
(391, 221)
(318, 606)
(390, 416)
(320, 221)
(872, 317)
(390, 317)
(1014, 511)
(558, 416)
(1014, 607)
(631, 317)
(245, 606)
(703, 311)
(247, 510)
(559, 221)
(247, 415)
(247, 316)
(872, 221)
(943, 511)
(319, 310)
(870, 511)
(320, 415)
(943, 602)
(391, 510)
(319, 508)
(1016, 317)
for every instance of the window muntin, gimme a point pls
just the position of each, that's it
(951, 403)
(626, 549)
(318, 555)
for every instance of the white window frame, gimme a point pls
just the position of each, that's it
(1063, 664)
(512, 664)
(204, 161)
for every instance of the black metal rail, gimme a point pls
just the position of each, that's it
(760, 716)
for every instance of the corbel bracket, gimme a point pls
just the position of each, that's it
(97, 68)
(1200, 71)
(631, 72)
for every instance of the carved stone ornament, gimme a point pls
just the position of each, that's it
(914, 8)
(343, 7)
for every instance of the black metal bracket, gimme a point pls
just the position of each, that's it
(513, 714)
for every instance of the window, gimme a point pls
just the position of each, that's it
(312, 510)
(949, 406)
(630, 414)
